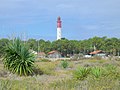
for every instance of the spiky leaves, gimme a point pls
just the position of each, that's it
(17, 58)
(81, 73)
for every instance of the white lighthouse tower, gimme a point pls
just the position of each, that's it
(59, 28)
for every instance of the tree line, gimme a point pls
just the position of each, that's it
(69, 47)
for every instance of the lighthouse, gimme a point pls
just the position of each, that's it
(59, 28)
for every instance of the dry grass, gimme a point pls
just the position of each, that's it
(56, 78)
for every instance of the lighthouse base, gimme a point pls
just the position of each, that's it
(58, 33)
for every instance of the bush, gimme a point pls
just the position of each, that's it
(112, 71)
(81, 73)
(111, 68)
(64, 64)
(17, 58)
(96, 72)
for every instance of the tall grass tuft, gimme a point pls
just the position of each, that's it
(17, 58)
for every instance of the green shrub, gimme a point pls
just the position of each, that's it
(110, 67)
(81, 73)
(64, 64)
(96, 72)
(17, 58)
(112, 71)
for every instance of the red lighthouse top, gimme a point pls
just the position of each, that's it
(58, 22)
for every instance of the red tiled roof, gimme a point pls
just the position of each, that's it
(96, 52)
(51, 52)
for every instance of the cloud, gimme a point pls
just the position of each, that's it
(86, 8)
(89, 15)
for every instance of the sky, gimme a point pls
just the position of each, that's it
(81, 19)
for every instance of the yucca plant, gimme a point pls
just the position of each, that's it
(96, 72)
(81, 73)
(17, 58)
(112, 70)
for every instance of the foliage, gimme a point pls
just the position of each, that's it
(47, 68)
(64, 64)
(81, 73)
(3, 43)
(104, 83)
(65, 80)
(96, 72)
(32, 44)
(5, 85)
(112, 71)
(111, 67)
(17, 58)
(70, 47)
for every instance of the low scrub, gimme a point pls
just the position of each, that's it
(64, 64)
(81, 73)
(47, 67)
(112, 71)
(96, 72)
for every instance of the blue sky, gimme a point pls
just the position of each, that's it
(81, 19)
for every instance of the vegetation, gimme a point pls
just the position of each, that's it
(47, 68)
(96, 72)
(70, 47)
(3, 43)
(64, 63)
(17, 58)
(84, 74)
(76, 77)
(81, 73)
